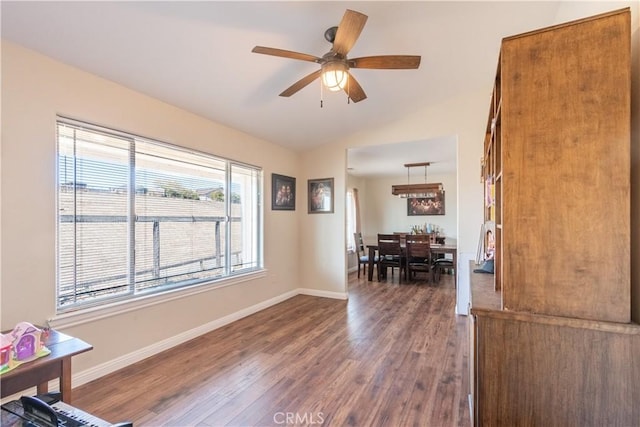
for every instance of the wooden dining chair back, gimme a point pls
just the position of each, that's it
(418, 256)
(419, 238)
(389, 255)
(403, 237)
(362, 253)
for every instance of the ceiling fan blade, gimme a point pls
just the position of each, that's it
(354, 90)
(348, 31)
(301, 83)
(285, 53)
(397, 62)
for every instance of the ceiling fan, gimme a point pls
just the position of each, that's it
(334, 65)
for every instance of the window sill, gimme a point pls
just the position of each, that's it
(91, 314)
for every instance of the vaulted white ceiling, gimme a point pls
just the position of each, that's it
(197, 55)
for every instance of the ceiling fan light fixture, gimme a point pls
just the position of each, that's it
(335, 75)
(334, 65)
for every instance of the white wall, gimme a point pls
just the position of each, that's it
(383, 212)
(323, 238)
(464, 117)
(386, 213)
(34, 90)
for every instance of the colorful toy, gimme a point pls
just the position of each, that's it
(26, 340)
(5, 351)
(23, 344)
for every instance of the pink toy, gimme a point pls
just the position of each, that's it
(24, 344)
(5, 351)
(26, 341)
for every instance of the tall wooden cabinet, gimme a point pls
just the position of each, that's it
(558, 157)
(557, 346)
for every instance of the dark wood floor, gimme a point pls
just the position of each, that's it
(392, 355)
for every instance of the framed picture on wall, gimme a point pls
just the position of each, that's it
(283, 193)
(433, 204)
(320, 195)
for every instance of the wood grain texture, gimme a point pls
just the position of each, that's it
(390, 355)
(531, 373)
(483, 294)
(554, 346)
(566, 167)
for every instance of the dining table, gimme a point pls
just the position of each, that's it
(436, 249)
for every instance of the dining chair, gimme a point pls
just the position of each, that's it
(363, 256)
(419, 238)
(403, 237)
(390, 255)
(418, 255)
(439, 265)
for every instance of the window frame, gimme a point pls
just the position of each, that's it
(160, 293)
(350, 220)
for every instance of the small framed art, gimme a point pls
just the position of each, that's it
(320, 195)
(283, 193)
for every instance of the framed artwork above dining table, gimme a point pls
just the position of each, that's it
(431, 204)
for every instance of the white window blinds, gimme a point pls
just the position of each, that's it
(137, 216)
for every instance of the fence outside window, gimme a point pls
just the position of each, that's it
(136, 216)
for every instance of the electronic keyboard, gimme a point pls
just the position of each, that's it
(33, 412)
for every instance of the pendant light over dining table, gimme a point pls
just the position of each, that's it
(417, 190)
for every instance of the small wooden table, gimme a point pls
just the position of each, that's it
(435, 249)
(38, 372)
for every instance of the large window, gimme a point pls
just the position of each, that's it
(136, 216)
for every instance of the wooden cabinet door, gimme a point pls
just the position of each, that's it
(566, 170)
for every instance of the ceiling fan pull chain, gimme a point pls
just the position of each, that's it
(321, 93)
